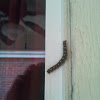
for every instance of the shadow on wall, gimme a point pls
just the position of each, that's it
(30, 85)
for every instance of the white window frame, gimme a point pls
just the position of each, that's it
(58, 84)
(22, 54)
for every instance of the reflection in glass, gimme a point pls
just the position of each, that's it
(29, 86)
(22, 24)
(22, 79)
(22, 28)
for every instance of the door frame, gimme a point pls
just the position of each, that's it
(58, 84)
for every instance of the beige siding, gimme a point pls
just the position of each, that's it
(85, 39)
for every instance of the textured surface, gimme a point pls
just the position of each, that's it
(85, 37)
(9, 71)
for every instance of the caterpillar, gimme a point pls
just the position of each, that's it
(61, 61)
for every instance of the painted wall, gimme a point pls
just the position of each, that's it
(85, 43)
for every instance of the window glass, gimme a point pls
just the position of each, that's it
(22, 28)
(22, 25)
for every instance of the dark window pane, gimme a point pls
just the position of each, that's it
(22, 79)
(22, 28)
(22, 25)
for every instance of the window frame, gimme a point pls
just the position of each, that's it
(58, 84)
(22, 54)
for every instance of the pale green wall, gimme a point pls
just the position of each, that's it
(85, 40)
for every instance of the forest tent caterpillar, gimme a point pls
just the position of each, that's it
(61, 61)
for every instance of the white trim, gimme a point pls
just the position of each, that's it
(54, 82)
(22, 54)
